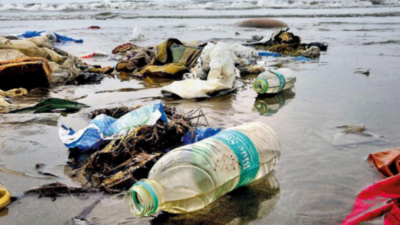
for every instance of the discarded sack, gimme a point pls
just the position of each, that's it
(26, 73)
(51, 105)
(274, 81)
(105, 127)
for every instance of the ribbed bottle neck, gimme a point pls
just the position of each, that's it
(145, 197)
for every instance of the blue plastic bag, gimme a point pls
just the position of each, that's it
(199, 134)
(60, 38)
(265, 53)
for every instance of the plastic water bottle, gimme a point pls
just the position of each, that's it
(274, 81)
(191, 177)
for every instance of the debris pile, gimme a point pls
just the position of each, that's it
(169, 59)
(287, 44)
(120, 163)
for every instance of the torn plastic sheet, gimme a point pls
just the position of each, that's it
(104, 127)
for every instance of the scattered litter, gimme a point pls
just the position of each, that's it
(218, 61)
(39, 63)
(53, 36)
(209, 167)
(52, 105)
(120, 163)
(5, 198)
(274, 81)
(386, 162)
(172, 51)
(381, 198)
(104, 127)
(287, 44)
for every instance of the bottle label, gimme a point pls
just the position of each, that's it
(246, 153)
(282, 80)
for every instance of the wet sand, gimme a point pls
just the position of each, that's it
(320, 171)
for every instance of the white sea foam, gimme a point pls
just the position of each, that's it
(179, 5)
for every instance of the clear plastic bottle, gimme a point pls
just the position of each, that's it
(274, 81)
(191, 177)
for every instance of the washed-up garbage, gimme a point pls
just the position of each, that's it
(5, 198)
(158, 58)
(97, 54)
(386, 162)
(199, 134)
(64, 67)
(121, 162)
(26, 73)
(270, 105)
(286, 43)
(295, 58)
(218, 62)
(206, 170)
(274, 81)
(16, 92)
(168, 70)
(261, 23)
(51, 105)
(383, 197)
(104, 127)
(52, 36)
